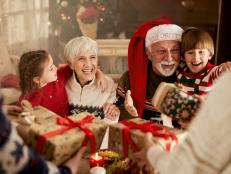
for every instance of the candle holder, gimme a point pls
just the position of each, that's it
(97, 170)
(96, 160)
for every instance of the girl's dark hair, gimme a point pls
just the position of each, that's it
(30, 66)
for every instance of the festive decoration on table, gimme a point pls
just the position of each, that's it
(116, 164)
(97, 170)
(96, 160)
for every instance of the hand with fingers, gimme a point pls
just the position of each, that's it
(111, 111)
(141, 156)
(101, 80)
(74, 162)
(226, 66)
(12, 109)
(129, 106)
(26, 105)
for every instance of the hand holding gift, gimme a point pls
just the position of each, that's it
(141, 156)
(173, 101)
(74, 162)
(226, 66)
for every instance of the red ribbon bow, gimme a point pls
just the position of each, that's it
(69, 124)
(156, 130)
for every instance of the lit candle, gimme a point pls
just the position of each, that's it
(96, 160)
(97, 170)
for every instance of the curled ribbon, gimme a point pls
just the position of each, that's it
(156, 130)
(69, 124)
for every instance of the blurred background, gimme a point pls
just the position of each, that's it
(49, 24)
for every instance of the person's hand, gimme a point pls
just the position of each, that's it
(26, 105)
(101, 80)
(226, 66)
(201, 98)
(10, 81)
(128, 104)
(185, 124)
(12, 109)
(141, 156)
(111, 111)
(74, 162)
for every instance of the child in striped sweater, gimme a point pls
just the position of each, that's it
(195, 73)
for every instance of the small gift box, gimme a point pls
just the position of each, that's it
(127, 136)
(173, 101)
(58, 139)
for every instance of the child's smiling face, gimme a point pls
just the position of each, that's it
(49, 72)
(197, 59)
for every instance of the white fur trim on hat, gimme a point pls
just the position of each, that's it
(163, 32)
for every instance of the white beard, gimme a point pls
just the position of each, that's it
(167, 71)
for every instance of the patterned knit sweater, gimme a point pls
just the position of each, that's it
(89, 98)
(207, 146)
(198, 83)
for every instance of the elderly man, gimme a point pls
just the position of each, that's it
(153, 56)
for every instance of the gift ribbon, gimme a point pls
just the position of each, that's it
(156, 130)
(69, 124)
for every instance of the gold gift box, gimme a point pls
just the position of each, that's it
(61, 147)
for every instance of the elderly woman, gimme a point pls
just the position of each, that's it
(83, 93)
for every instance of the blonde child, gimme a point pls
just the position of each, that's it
(195, 72)
(42, 83)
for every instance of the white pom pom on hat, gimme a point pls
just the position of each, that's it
(163, 32)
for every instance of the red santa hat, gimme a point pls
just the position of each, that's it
(148, 33)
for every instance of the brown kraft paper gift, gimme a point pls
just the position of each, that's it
(68, 139)
(127, 143)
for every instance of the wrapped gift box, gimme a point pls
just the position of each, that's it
(174, 101)
(58, 139)
(127, 136)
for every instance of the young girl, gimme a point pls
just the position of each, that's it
(41, 82)
(195, 73)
